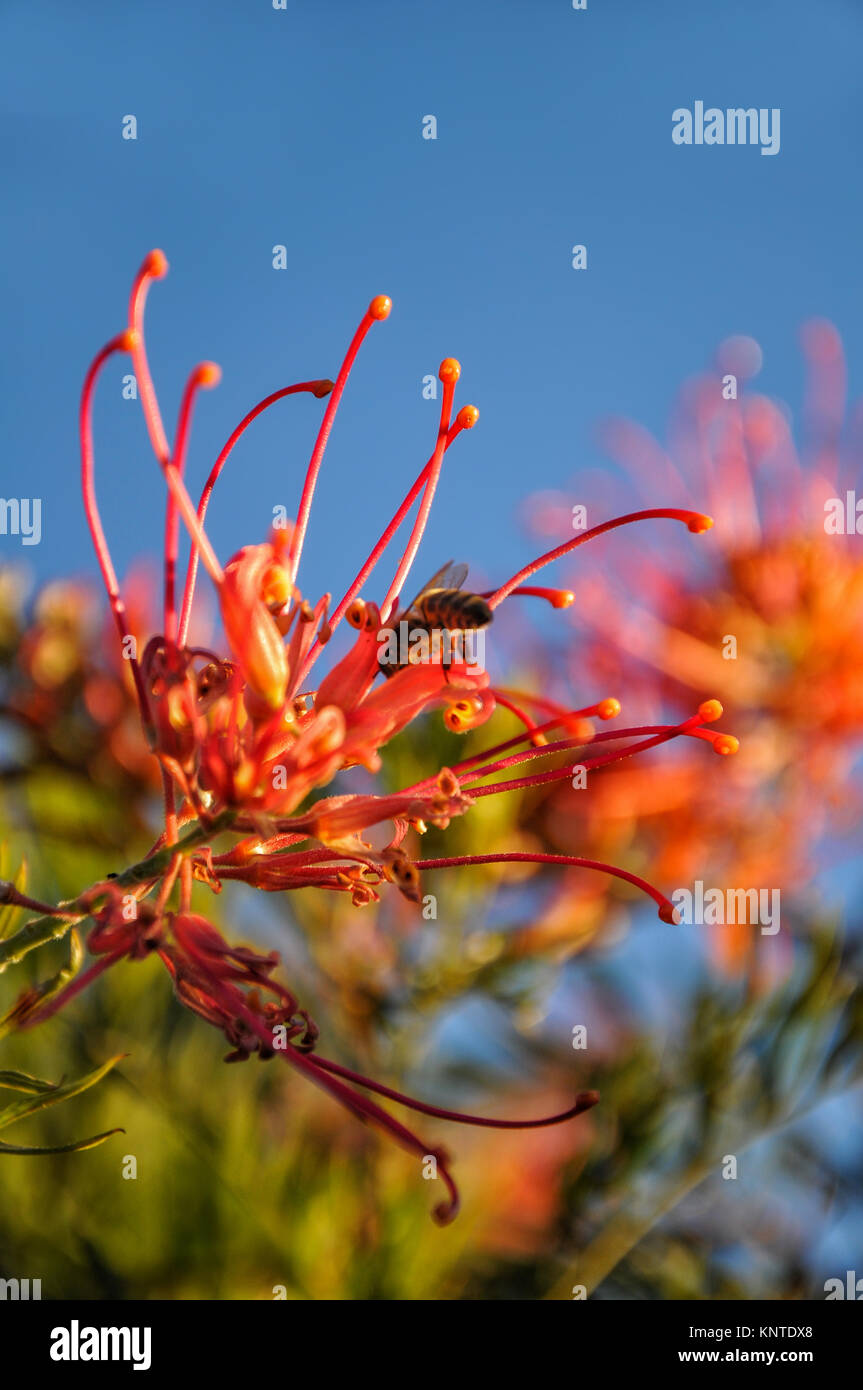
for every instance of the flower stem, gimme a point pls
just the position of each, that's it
(41, 930)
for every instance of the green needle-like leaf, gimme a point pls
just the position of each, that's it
(39, 993)
(19, 1110)
(77, 1146)
(21, 1081)
(9, 911)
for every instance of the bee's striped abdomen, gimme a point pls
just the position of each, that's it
(453, 608)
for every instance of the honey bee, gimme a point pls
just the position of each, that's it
(442, 606)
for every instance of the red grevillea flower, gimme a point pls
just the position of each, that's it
(771, 619)
(244, 736)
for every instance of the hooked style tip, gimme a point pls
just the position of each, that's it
(669, 913)
(445, 1213)
(323, 387)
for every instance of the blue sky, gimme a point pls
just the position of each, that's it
(303, 127)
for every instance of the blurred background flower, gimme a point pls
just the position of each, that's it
(767, 614)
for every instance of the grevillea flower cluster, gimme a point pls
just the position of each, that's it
(65, 692)
(782, 583)
(244, 738)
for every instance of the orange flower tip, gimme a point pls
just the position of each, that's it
(127, 341)
(710, 711)
(669, 913)
(563, 598)
(208, 374)
(156, 265)
(725, 745)
(608, 709)
(450, 370)
(381, 306)
(467, 417)
(323, 387)
(700, 523)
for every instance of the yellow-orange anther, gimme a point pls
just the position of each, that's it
(467, 417)
(463, 715)
(156, 265)
(701, 523)
(710, 711)
(208, 374)
(276, 586)
(450, 370)
(608, 709)
(356, 614)
(724, 744)
(127, 340)
(380, 306)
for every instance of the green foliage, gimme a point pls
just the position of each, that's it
(40, 1095)
(46, 989)
(746, 1067)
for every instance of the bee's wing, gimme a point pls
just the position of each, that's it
(449, 576)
